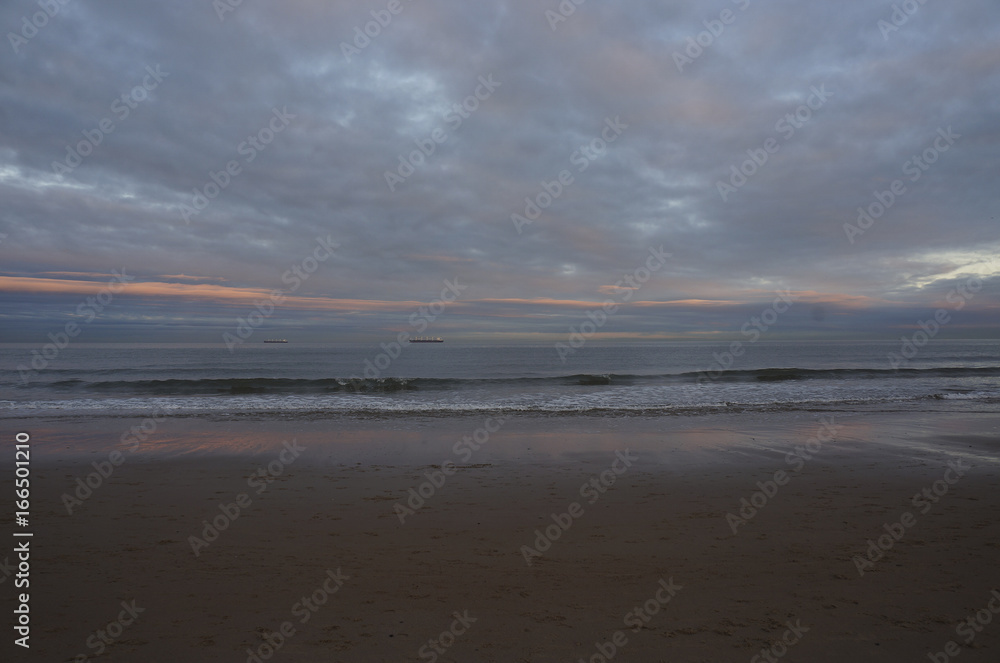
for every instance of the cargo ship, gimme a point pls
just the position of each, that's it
(426, 339)
(275, 340)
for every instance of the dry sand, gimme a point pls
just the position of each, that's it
(332, 508)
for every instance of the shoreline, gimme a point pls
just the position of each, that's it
(330, 507)
(517, 438)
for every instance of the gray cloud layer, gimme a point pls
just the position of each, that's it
(886, 95)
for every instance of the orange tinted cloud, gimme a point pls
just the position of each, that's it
(614, 289)
(219, 294)
(185, 277)
(223, 295)
(696, 303)
(540, 301)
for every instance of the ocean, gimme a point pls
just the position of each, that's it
(623, 379)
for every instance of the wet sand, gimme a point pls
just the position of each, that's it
(646, 565)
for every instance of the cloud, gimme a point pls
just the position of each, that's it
(357, 118)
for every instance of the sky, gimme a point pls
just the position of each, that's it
(501, 171)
